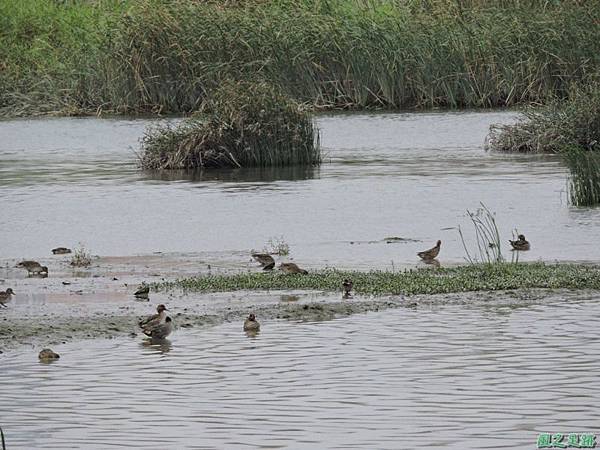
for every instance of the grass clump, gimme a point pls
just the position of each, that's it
(240, 125)
(561, 126)
(477, 277)
(81, 257)
(487, 237)
(570, 128)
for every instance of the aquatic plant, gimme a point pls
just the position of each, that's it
(561, 126)
(239, 125)
(473, 277)
(81, 257)
(584, 179)
(487, 237)
(153, 56)
(277, 246)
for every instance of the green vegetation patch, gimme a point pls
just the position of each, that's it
(482, 277)
(161, 56)
(240, 125)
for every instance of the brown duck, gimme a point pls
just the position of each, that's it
(431, 253)
(61, 250)
(291, 268)
(266, 261)
(5, 296)
(347, 288)
(520, 244)
(251, 324)
(33, 267)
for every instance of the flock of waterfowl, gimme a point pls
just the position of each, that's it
(159, 325)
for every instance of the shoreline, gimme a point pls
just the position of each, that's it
(94, 305)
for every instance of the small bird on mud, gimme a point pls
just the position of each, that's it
(155, 319)
(48, 355)
(160, 331)
(431, 253)
(291, 268)
(142, 291)
(251, 324)
(520, 244)
(61, 251)
(5, 296)
(347, 288)
(266, 261)
(33, 267)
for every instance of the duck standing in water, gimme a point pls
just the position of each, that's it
(520, 244)
(347, 288)
(33, 267)
(161, 330)
(61, 251)
(155, 319)
(432, 253)
(266, 261)
(291, 268)
(251, 324)
(5, 296)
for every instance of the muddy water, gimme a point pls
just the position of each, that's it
(452, 377)
(70, 180)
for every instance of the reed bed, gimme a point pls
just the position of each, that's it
(584, 180)
(165, 57)
(239, 125)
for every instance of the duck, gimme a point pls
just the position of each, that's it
(48, 355)
(431, 253)
(265, 260)
(251, 324)
(520, 244)
(155, 319)
(347, 287)
(33, 267)
(161, 330)
(291, 268)
(142, 291)
(61, 251)
(6, 295)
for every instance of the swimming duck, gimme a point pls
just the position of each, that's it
(520, 244)
(160, 331)
(347, 287)
(431, 253)
(61, 250)
(291, 268)
(5, 296)
(142, 291)
(155, 319)
(48, 355)
(265, 260)
(251, 324)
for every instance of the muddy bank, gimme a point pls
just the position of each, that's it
(59, 322)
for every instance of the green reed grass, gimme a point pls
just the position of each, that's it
(584, 180)
(487, 238)
(239, 125)
(476, 277)
(165, 57)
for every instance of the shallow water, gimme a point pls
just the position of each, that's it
(439, 376)
(70, 180)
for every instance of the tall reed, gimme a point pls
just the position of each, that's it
(584, 180)
(157, 56)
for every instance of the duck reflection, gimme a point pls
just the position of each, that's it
(154, 345)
